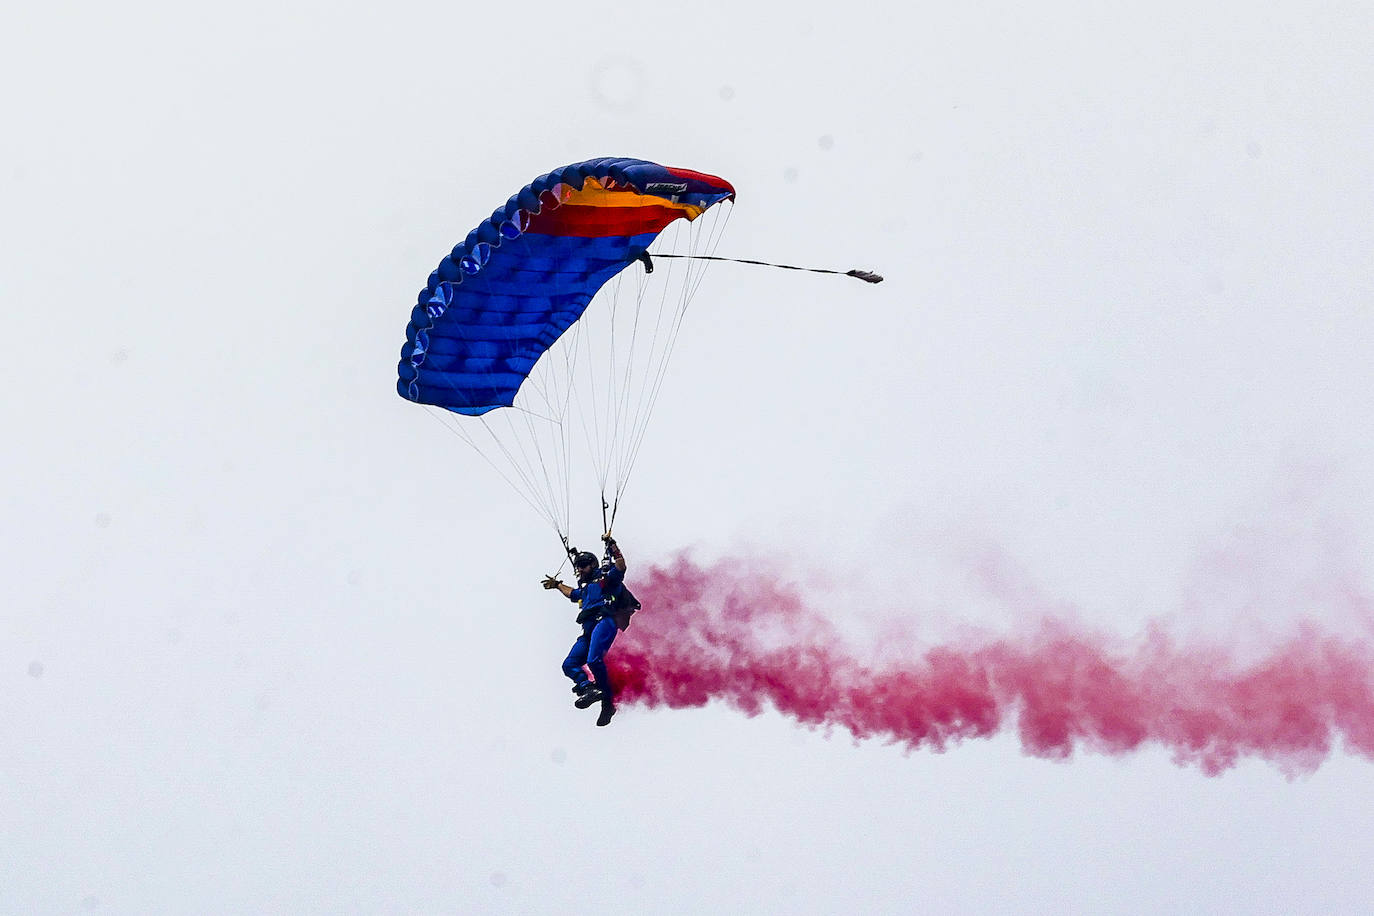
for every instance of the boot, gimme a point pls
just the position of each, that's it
(589, 696)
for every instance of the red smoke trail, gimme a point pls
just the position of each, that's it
(745, 639)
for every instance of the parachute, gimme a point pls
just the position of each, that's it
(508, 348)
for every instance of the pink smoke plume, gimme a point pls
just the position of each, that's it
(728, 634)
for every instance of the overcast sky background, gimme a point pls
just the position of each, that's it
(273, 640)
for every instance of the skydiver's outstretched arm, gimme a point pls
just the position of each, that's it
(551, 582)
(614, 550)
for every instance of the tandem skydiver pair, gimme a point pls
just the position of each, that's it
(604, 609)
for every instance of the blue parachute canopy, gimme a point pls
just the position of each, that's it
(524, 276)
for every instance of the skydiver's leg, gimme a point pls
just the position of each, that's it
(602, 637)
(577, 657)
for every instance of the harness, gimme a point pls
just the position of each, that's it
(618, 606)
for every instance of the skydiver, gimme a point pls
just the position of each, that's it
(598, 590)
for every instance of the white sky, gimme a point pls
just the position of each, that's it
(273, 641)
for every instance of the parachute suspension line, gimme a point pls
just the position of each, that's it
(575, 346)
(540, 460)
(561, 472)
(613, 412)
(523, 491)
(543, 383)
(527, 488)
(612, 431)
(712, 242)
(654, 371)
(864, 275)
(688, 291)
(566, 436)
(558, 464)
(620, 387)
(623, 415)
(621, 391)
(717, 230)
(632, 419)
(623, 410)
(567, 351)
(555, 381)
(549, 498)
(534, 438)
(590, 416)
(562, 383)
(526, 469)
(639, 415)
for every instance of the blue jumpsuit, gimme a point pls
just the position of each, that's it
(598, 632)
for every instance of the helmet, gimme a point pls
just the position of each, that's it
(586, 566)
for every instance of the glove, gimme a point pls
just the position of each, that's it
(610, 541)
(551, 582)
